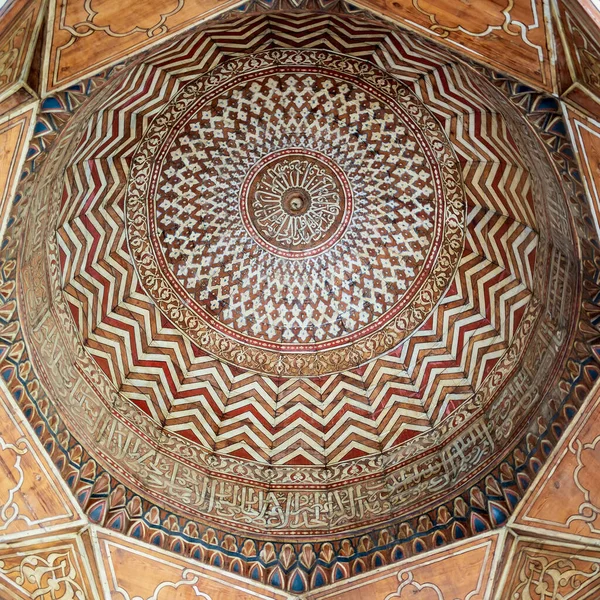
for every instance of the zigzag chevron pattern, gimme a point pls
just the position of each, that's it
(363, 411)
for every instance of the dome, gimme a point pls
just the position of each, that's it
(297, 279)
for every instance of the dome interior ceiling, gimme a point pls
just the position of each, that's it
(301, 272)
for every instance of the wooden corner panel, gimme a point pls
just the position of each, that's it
(511, 36)
(86, 36)
(18, 30)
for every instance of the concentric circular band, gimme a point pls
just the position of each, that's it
(324, 199)
(428, 185)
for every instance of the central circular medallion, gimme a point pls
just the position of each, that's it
(295, 214)
(296, 203)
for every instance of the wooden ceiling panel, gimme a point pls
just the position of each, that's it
(511, 36)
(14, 134)
(136, 570)
(546, 570)
(431, 577)
(84, 38)
(19, 25)
(54, 568)
(581, 41)
(566, 497)
(32, 497)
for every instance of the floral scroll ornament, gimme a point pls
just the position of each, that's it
(47, 578)
(541, 578)
(106, 16)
